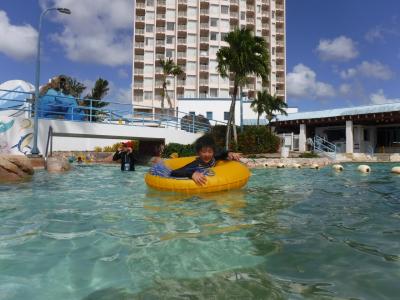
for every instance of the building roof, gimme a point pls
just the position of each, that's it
(341, 112)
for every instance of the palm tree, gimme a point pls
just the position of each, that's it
(273, 105)
(245, 55)
(169, 69)
(99, 91)
(258, 105)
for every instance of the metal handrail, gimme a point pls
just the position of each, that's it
(323, 146)
(125, 115)
(49, 143)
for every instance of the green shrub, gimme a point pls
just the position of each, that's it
(253, 140)
(182, 150)
(308, 155)
(98, 149)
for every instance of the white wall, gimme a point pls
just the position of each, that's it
(218, 107)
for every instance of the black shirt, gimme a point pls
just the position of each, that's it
(127, 160)
(190, 168)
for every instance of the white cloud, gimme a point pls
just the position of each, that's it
(18, 42)
(96, 31)
(345, 89)
(380, 98)
(122, 73)
(302, 83)
(375, 34)
(339, 49)
(367, 69)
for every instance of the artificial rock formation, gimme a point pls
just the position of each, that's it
(15, 168)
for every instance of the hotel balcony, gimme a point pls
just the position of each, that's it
(140, 20)
(139, 31)
(280, 68)
(280, 55)
(280, 79)
(140, 5)
(182, 4)
(139, 45)
(234, 15)
(280, 31)
(280, 19)
(139, 58)
(161, 17)
(182, 41)
(138, 85)
(204, 67)
(234, 21)
(280, 44)
(138, 72)
(160, 56)
(203, 81)
(234, 2)
(182, 28)
(161, 3)
(250, 20)
(182, 14)
(250, 8)
(279, 7)
(138, 98)
(204, 40)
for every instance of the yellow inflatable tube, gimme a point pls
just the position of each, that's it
(229, 175)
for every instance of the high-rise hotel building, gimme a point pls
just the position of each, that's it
(191, 32)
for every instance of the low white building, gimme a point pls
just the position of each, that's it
(363, 129)
(218, 109)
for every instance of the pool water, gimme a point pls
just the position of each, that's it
(98, 233)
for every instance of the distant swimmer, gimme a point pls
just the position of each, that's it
(125, 154)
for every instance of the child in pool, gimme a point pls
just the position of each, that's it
(199, 168)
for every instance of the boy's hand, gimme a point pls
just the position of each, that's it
(234, 156)
(129, 150)
(199, 178)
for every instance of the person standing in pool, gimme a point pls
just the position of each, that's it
(199, 169)
(125, 155)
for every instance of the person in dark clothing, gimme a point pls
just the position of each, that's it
(199, 168)
(125, 154)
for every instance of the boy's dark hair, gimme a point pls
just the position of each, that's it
(204, 141)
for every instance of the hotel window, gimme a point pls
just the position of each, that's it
(213, 65)
(214, 79)
(258, 8)
(148, 83)
(150, 16)
(191, 53)
(209, 115)
(148, 95)
(214, 36)
(170, 14)
(150, 2)
(192, 25)
(192, 2)
(214, 10)
(192, 12)
(223, 35)
(149, 41)
(191, 39)
(191, 80)
(170, 39)
(273, 50)
(149, 28)
(243, 15)
(148, 56)
(273, 14)
(213, 51)
(170, 26)
(169, 53)
(226, 115)
(192, 113)
(214, 93)
(224, 9)
(213, 22)
(170, 2)
(225, 25)
(191, 66)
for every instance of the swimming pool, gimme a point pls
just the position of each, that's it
(97, 233)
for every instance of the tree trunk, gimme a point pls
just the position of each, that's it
(231, 120)
(258, 120)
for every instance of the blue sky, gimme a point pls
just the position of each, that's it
(339, 52)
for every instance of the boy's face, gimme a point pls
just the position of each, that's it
(206, 154)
